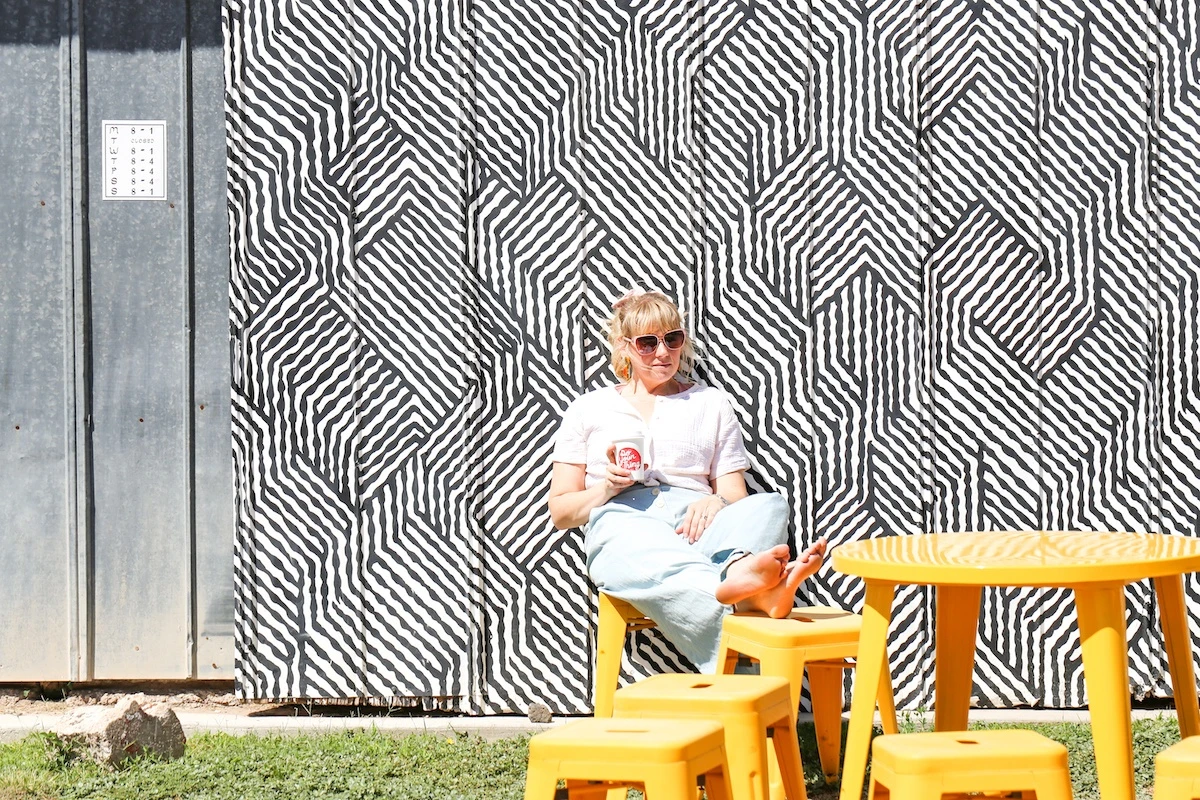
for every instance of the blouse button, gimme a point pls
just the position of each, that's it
(656, 491)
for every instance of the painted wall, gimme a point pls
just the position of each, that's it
(942, 255)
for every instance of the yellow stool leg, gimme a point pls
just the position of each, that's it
(1173, 614)
(610, 643)
(788, 665)
(876, 790)
(747, 756)
(1175, 789)
(787, 756)
(726, 658)
(825, 685)
(783, 664)
(540, 781)
(717, 785)
(670, 782)
(1106, 675)
(1055, 786)
(956, 627)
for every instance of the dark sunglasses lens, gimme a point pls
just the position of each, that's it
(646, 344)
(674, 339)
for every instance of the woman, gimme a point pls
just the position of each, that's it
(688, 542)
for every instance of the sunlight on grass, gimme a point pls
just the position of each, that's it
(367, 764)
(358, 764)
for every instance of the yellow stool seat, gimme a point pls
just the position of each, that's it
(663, 757)
(1177, 771)
(919, 766)
(831, 626)
(751, 708)
(816, 639)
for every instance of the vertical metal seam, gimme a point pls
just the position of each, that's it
(66, 75)
(475, 682)
(186, 196)
(77, 319)
(354, 483)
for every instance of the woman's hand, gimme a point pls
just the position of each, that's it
(699, 516)
(616, 480)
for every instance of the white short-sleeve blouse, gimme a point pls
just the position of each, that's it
(693, 436)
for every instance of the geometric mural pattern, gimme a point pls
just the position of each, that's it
(942, 255)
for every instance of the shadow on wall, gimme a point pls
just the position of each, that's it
(121, 25)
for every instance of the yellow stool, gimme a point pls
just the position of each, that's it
(664, 758)
(920, 766)
(617, 620)
(749, 707)
(818, 639)
(1177, 771)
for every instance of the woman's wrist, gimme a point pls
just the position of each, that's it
(721, 497)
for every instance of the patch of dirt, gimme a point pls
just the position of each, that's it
(57, 698)
(213, 697)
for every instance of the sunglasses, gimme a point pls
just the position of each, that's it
(647, 344)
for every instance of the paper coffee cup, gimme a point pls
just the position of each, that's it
(629, 455)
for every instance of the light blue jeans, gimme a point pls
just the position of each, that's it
(634, 553)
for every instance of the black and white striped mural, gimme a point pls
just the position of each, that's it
(943, 256)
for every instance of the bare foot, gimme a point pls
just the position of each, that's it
(753, 574)
(817, 549)
(777, 601)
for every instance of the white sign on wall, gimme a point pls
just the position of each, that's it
(134, 153)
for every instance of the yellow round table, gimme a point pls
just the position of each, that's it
(1095, 565)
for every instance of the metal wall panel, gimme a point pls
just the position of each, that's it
(113, 332)
(140, 355)
(213, 477)
(36, 414)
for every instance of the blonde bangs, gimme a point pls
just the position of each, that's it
(654, 314)
(647, 313)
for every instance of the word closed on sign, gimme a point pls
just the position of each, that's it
(134, 154)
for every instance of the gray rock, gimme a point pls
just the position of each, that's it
(539, 713)
(109, 735)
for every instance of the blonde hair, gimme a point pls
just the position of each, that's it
(640, 312)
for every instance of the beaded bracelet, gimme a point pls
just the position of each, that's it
(724, 502)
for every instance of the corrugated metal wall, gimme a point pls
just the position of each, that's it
(115, 476)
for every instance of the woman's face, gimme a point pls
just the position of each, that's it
(656, 367)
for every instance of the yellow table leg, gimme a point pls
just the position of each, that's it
(1173, 614)
(957, 625)
(872, 660)
(1102, 630)
(887, 700)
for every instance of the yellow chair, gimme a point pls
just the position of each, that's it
(664, 758)
(921, 766)
(1177, 771)
(751, 708)
(820, 640)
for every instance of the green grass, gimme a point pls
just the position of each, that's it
(354, 765)
(367, 764)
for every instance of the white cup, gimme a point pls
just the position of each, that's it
(629, 451)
